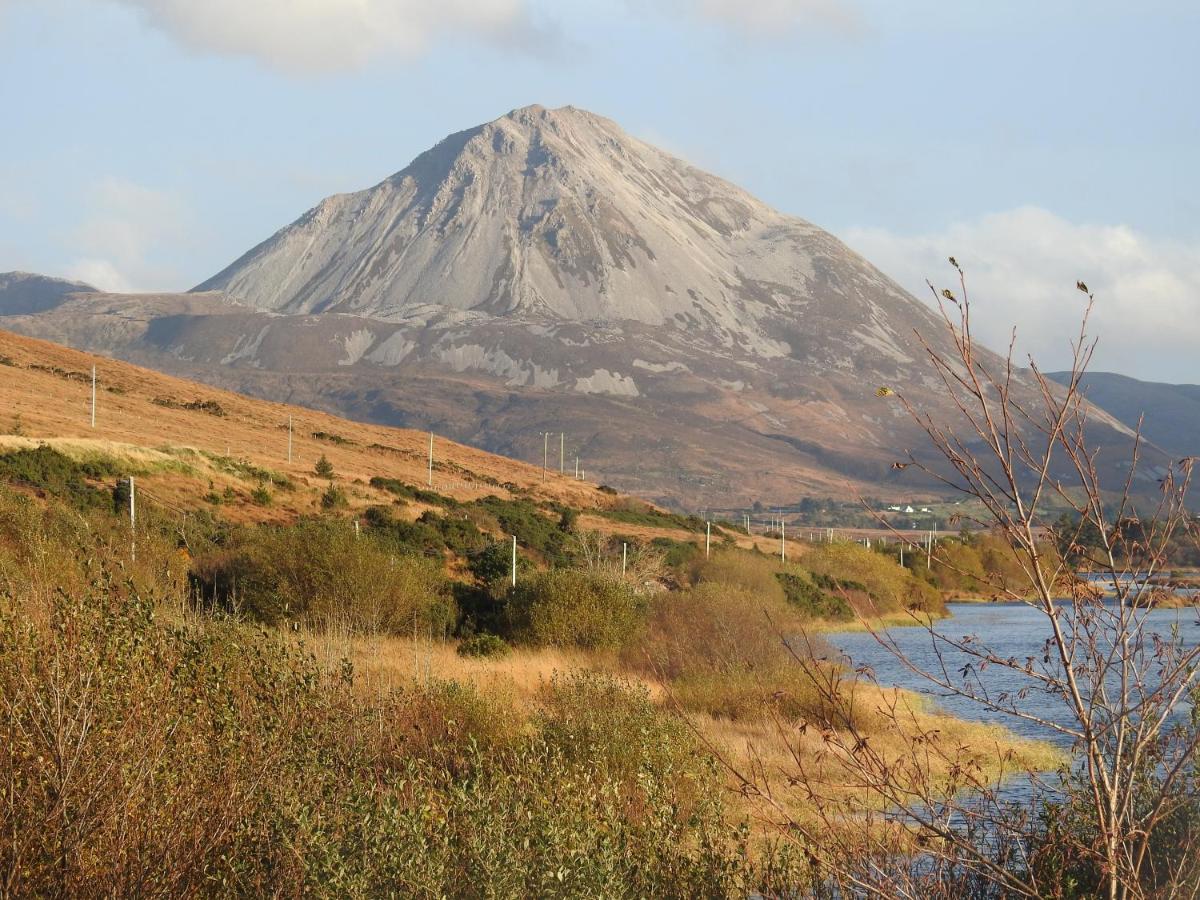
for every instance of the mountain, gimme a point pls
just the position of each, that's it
(24, 293)
(1170, 413)
(546, 272)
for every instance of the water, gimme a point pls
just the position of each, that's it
(1009, 630)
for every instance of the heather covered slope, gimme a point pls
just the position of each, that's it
(1169, 413)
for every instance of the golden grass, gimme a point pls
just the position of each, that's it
(757, 742)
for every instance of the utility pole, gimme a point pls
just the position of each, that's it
(514, 561)
(707, 538)
(289, 440)
(431, 459)
(545, 454)
(562, 453)
(576, 466)
(132, 524)
(624, 557)
(782, 541)
(93, 396)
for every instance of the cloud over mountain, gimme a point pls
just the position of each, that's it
(1022, 266)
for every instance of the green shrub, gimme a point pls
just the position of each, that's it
(55, 473)
(333, 497)
(677, 555)
(319, 573)
(571, 608)
(533, 529)
(890, 587)
(408, 492)
(323, 467)
(261, 495)
(815, 603)
(483, 645)
(333, 438)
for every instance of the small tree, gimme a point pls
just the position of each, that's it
(1124, 822)
(324, 467)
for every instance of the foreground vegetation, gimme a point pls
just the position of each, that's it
(204, 707)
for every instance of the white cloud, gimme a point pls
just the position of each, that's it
(99, 273)
(303, 36)
(124, 230)
(1022, 266)
(771, 17)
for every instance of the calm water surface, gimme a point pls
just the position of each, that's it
(1010, 630)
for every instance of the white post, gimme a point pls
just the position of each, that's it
(514, 561)
(289, 440)
(576, 466)
(431, 459)
(562, 453)
(545, 454)
(356, 528)
(707, 538)
(93, 396)
(902, 554)
(782, 541)
(624, 557)
(132, 523)
(929, 550)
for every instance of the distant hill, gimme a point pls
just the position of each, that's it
(1171, 411)
(24, 293)
(196, 447)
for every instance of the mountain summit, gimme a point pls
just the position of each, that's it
(546, 272)
(559, 215)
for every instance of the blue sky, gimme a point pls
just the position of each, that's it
(147, 143)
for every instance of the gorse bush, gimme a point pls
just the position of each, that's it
(890, 588)
(320, 574)
(816, 603)
(483, 645)
(744, 571)
(55, 473)
(571, 608)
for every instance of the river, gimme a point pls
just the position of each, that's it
(1010, 630)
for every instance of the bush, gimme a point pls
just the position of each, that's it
(890, 588)
(570, 608)
(323, 468)
(712, 628)
(483, 645)
(404, 491)
(600, 795)
(533, 530)
(814, 602)
(320, 574)
(676, 554)
(743, 571)
(261, 495)
(55, 473)
(333, 497)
